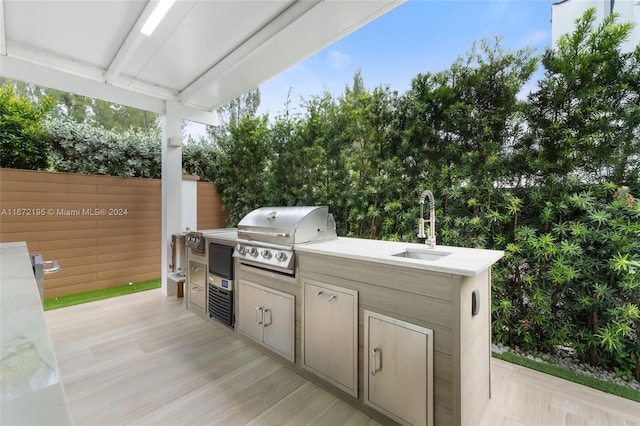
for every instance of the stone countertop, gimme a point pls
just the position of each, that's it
(456, 260)
(32, 390)
(224, 235)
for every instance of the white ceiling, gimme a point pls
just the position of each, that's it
(203, 54)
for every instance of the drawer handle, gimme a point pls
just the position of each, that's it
(329, 298)
(196, 269)
(270, 317)
(375, 368)
(261, 320)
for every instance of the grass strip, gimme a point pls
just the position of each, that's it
(572, 376)
(93, 295)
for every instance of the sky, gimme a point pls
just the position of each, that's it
(419, 36)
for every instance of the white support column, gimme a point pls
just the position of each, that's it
(189, 203)
(171, 185)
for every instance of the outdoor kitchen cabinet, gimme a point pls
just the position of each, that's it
(436, 300)
(197, 285)
(398, 369)
(267, 316)
(330, 334)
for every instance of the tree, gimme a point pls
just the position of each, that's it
(242, 163)
(82, 109)
(584, 120)
(458, 127)
(377, 191)
(24, 143)
(230, 114)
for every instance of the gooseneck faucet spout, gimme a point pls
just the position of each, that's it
(431, 240)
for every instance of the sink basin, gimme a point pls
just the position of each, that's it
(429, 255)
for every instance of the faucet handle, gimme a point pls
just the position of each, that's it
(421, 233)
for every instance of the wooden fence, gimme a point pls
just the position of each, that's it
(104, 231)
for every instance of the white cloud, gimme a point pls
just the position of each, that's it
(495, 11)
(535, 37)
(337, 59)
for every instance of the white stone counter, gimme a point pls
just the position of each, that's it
(32, 391)
(226, 236)
(452, 260)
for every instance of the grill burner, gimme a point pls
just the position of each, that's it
(267, 236)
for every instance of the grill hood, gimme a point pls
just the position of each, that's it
(288, 225)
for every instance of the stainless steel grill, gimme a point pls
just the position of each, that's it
(267, 236)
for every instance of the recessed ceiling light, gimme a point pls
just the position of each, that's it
(156, 16)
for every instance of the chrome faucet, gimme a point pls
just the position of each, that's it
(431, 241)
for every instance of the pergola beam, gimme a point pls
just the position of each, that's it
(131, 43)
(17, 69)
(265, 33)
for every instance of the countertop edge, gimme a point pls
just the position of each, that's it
(31, 376)
(380, 252)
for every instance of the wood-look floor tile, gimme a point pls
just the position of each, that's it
(143, 359)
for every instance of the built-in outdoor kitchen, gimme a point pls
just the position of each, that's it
(402, 331)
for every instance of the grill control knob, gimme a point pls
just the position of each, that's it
(253, 251)
(266, 254)
(281, 256)
(241, 249)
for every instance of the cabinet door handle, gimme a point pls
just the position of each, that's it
(330, 296)
(261, 320)
(270, 317)
(374, 367)
(196, 269)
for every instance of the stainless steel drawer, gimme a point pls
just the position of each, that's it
(198, 284)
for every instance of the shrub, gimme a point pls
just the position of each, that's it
(83, 148)
(23, 141)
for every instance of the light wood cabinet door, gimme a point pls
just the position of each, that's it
(250, 313)
(278, 323)
(330, 334)
(267, 316)
(398, 369)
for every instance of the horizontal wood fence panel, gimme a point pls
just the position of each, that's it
(210, 213)
(38, 246)
(128, 232)
(146, 271)
(128, 248)
(53, 188)
(132, 223)
(121, 190)
(40, 226)
(66, 253)
(106, 266)
(121, 256)
(52, 235)
(79, 259)
(67, 270)
(104, 231)
(60, 284)
(127, 239)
